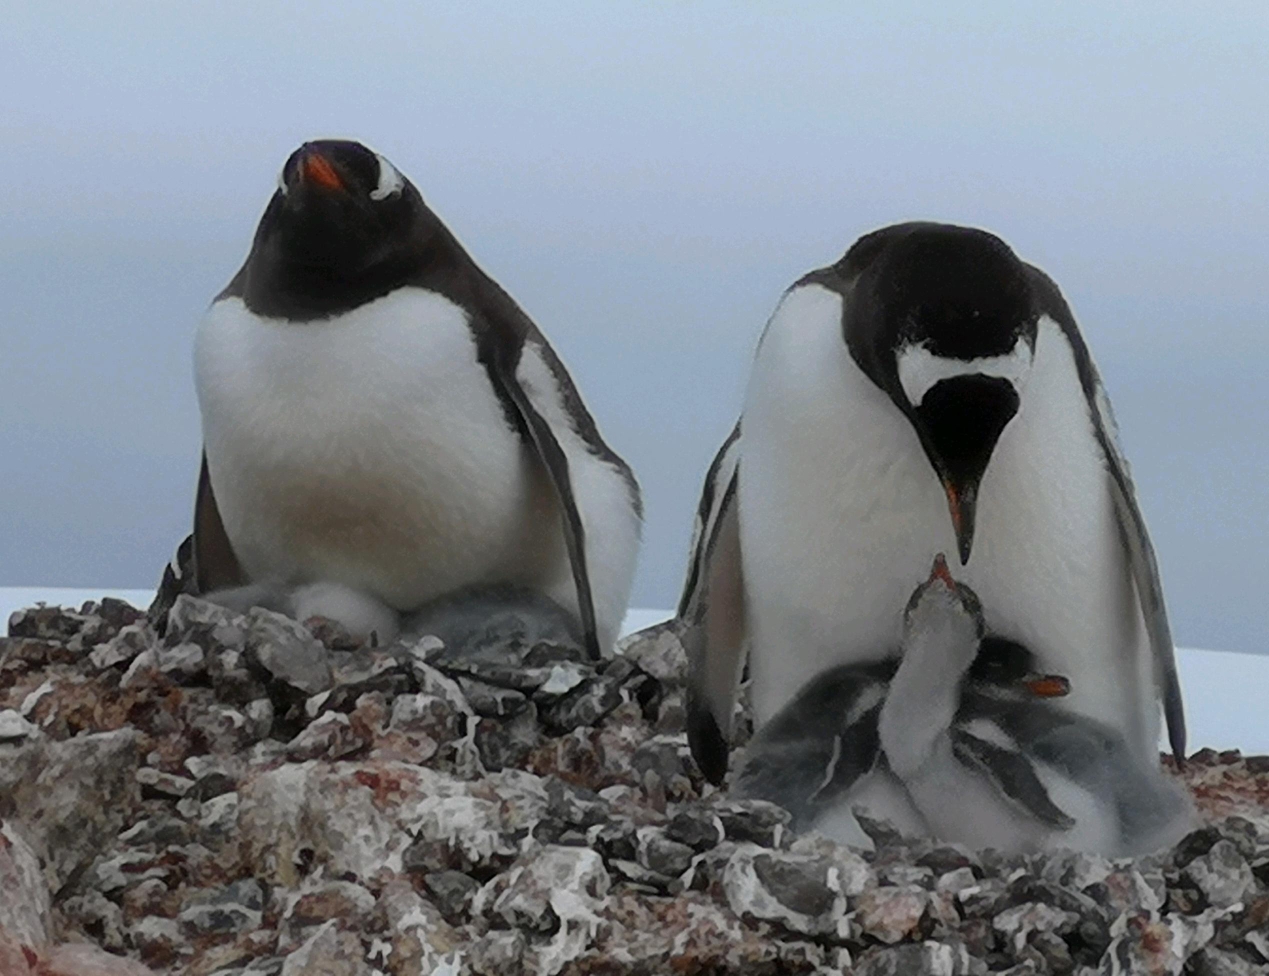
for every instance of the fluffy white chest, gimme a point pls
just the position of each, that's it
(841, 515)
(368, 449)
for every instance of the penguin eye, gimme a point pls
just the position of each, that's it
(390, 181)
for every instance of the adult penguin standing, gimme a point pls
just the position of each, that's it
(383, 425)
(928, 392)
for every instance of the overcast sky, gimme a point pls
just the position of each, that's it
(645, 179)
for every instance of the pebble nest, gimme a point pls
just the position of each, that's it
(248, 796)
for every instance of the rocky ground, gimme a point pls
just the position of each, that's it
(247, 797)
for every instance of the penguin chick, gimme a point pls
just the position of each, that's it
(492, 622)
(498, 622)
(819, 757)
(363, 616)
(960, 739)
(990, 759)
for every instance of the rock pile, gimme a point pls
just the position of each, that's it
(246, 796)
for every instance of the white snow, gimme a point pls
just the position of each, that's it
(1224, 690)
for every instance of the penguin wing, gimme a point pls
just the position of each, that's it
(204, 560)
(1012, 774)
(809, 775)
(1132, 525)
(1145, 572)
(178, 578)
(711, 614)
(818, 746)
(215, 564)
(546, 445)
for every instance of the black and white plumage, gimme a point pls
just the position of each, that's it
(379, 415)
(928, 392)
(962, 740)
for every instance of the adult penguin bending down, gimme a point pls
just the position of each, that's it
(384, 425)
(928, 392)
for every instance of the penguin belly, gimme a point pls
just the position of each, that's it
(370, 450)
(841, 515)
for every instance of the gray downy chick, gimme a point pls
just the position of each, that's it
(498, 623)
(494, 622)
(960, 739)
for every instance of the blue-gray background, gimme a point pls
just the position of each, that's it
(645, 179)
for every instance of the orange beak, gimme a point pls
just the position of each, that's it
(960, 505)
(940, 572)
(315, 168)
(954, 506)
(1048, 686)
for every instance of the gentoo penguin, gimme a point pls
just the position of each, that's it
(927, 392)
(962, 741)
(381, 417)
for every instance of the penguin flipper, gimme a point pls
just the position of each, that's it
(808, 776)
(1132, 525)
(547, 447)
(178, 578)
(1145, 573)
(711, 615)
(1011, 774)
(812, 753)
(204, 560)
(215, 564)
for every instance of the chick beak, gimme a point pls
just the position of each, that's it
(1047, 685)
(940, 573)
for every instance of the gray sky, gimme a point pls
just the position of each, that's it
(645, 179)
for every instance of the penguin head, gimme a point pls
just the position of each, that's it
(942, 602)
(1011, 670)
(997, 666)
(943, 319)
(344, 226)
(339, 206)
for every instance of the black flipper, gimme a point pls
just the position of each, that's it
(819, 745)
(1132, 525)
(204, 561)
(1012, 774)
(1096, 757)
(178, 578)
(216, 565)
(547, 447)
(711, 615)
(1145, 572)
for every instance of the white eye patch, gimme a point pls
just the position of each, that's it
(390, 181)
(282, 180)
(920, 369)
